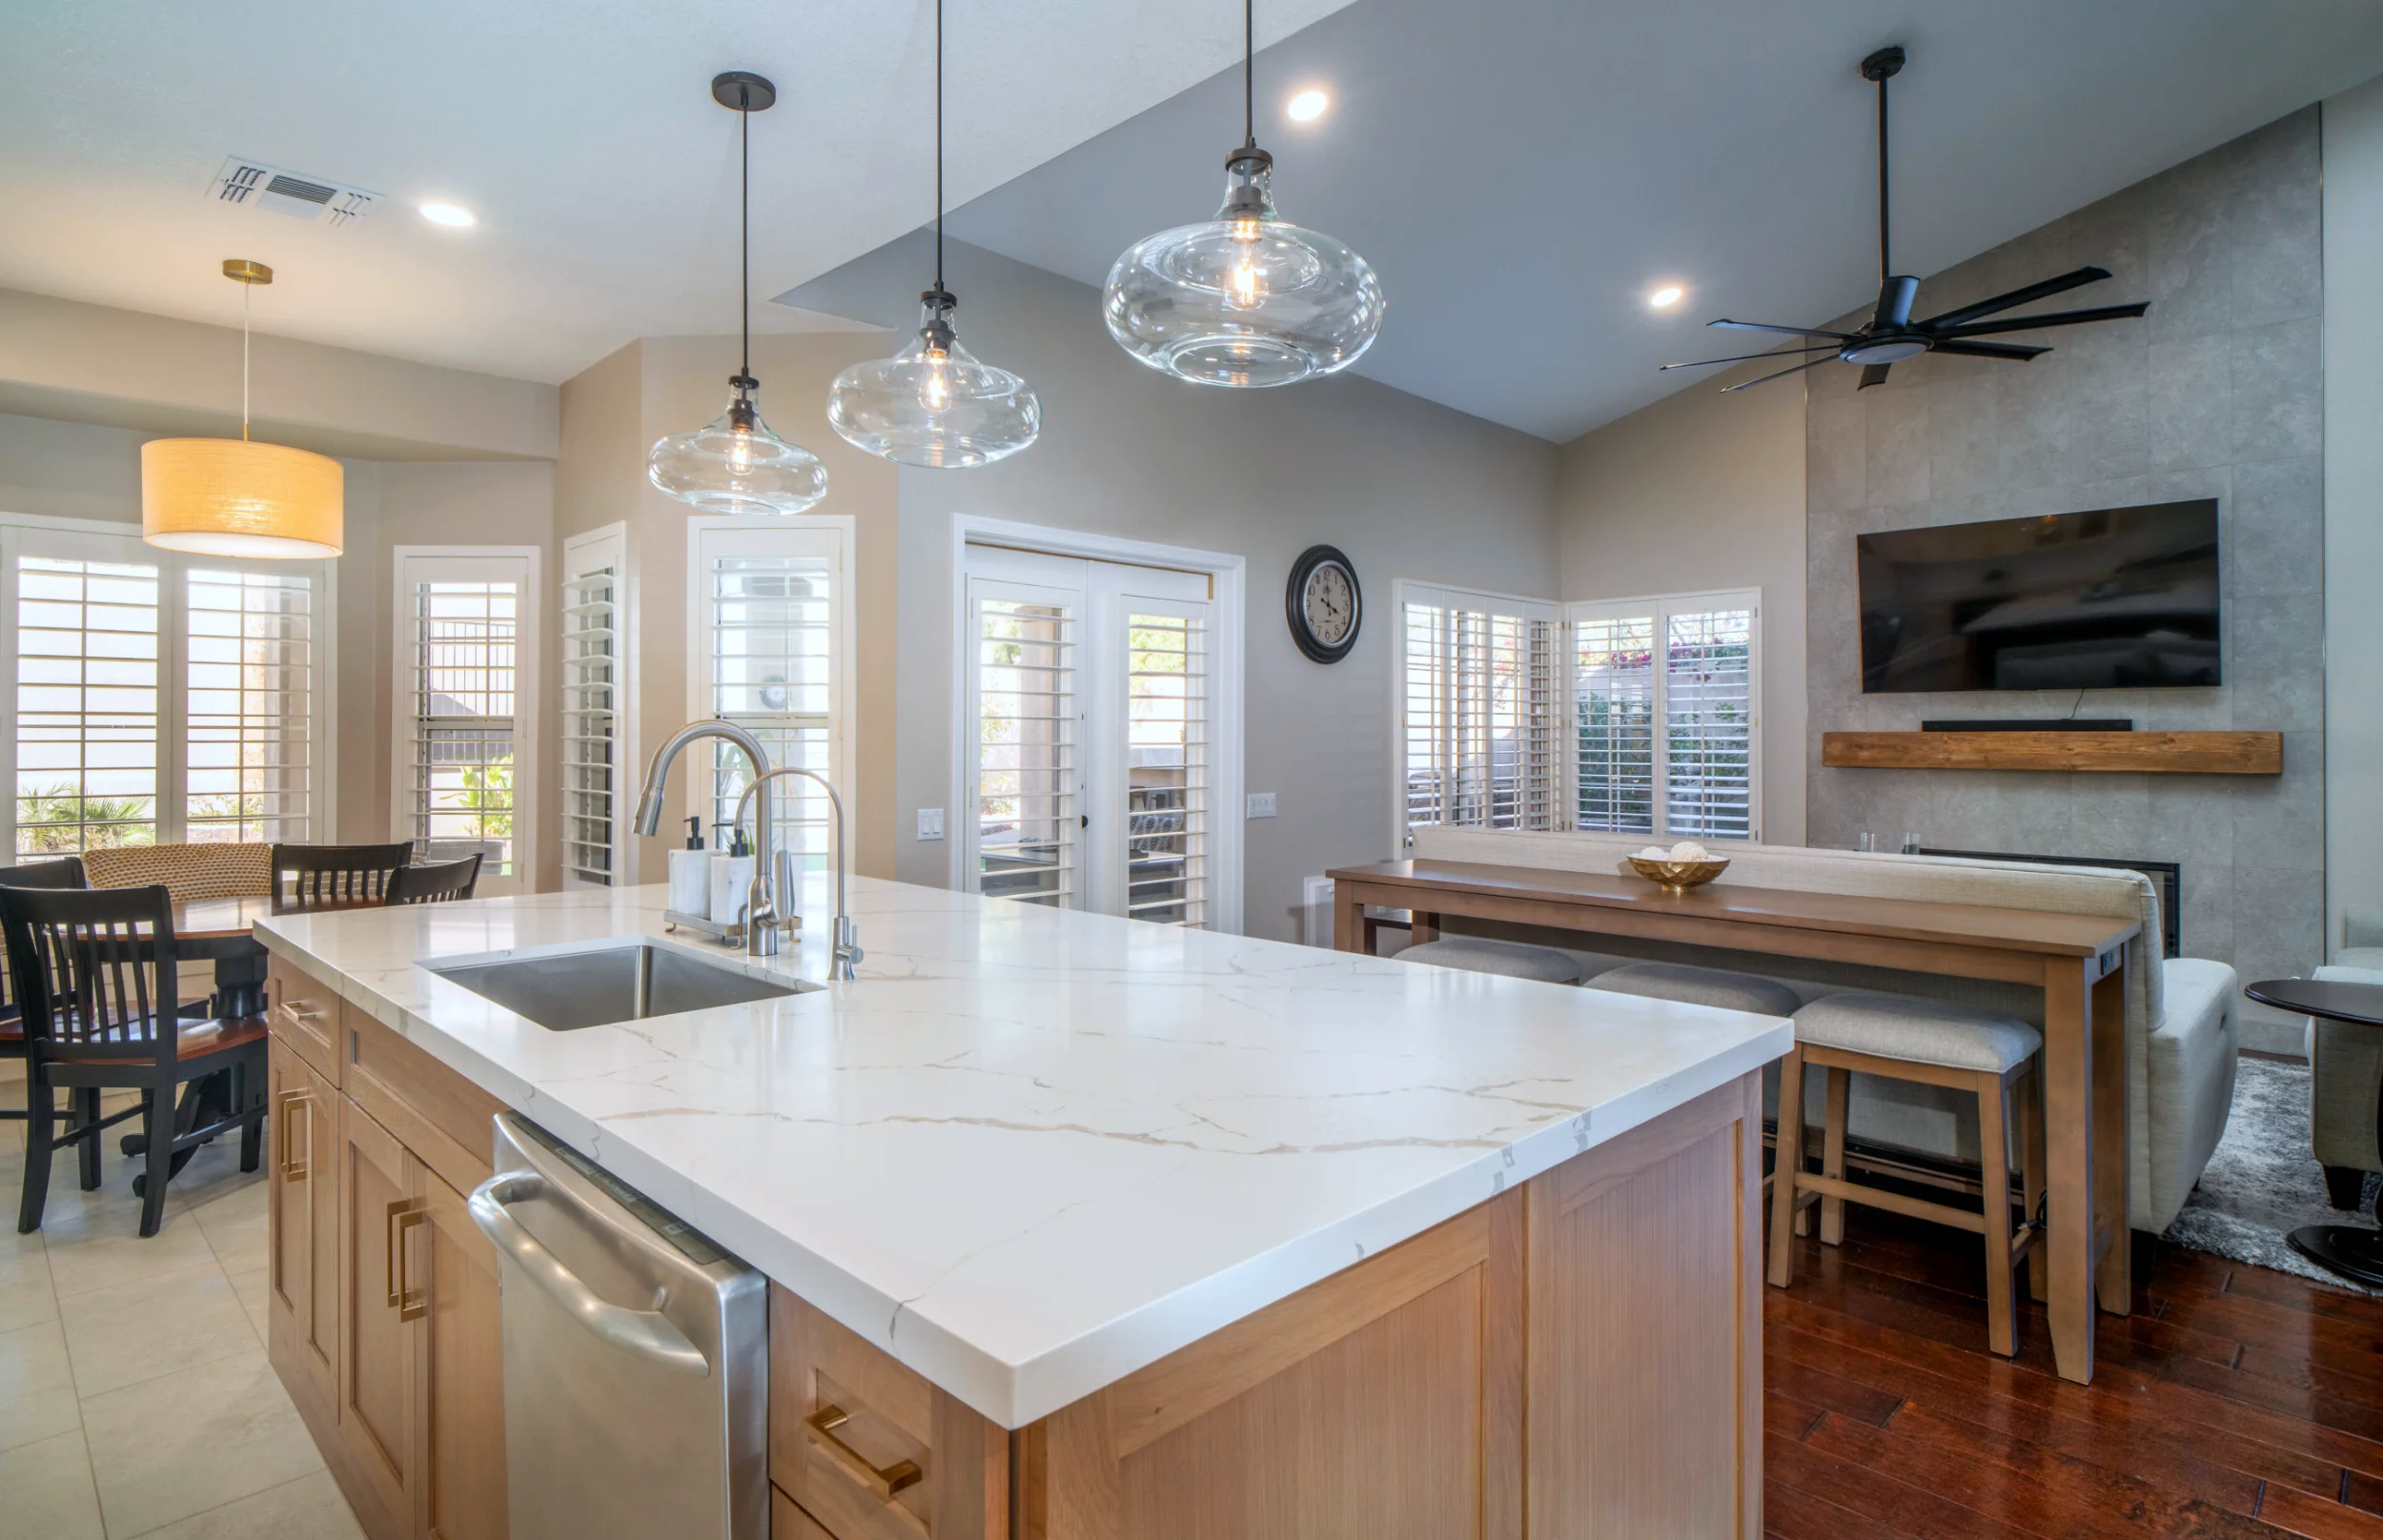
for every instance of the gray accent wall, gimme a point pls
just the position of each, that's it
(2217, 393)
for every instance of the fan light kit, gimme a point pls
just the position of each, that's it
(1891, 335)
(1243, 299)
(235, 497)
(734, 464)
(932, 404)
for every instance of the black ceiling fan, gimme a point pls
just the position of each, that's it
(1891, 335)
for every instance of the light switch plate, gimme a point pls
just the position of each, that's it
(1261, 805)
(930, 822)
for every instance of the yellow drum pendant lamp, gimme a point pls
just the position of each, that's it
(234, 498)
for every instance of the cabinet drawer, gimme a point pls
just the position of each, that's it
(870, 1450)
(435, 1112)
(304, 1012)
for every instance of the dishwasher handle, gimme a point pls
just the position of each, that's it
(645, 1333)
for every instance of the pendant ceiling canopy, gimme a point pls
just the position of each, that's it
(234, 498)
(1246, 298)
(934, 404)
(734, 464)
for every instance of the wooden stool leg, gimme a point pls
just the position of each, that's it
(2001, 1307)
(1789, 1161)
(2030, 1120)
(1833, 1156)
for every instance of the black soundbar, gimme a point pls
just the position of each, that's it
(2031, 725)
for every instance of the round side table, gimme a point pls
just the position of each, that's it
(2354, 1252)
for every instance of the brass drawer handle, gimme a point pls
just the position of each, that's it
(410, 1304)
(302, 1017)
(285, 1106)
(885, 1481)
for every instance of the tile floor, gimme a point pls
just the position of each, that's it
(134, 1395)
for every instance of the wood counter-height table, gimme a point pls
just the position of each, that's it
(2080, 963)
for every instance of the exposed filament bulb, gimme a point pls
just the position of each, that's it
(935, 382)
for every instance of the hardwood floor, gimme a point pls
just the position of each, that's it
(2236, 1402)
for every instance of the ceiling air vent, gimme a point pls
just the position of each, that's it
(253, 184)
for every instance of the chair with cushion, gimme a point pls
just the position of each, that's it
(1937, 1042)
(335, 877)
(94, 975)
(1513, 960)
(435, 882)
(1693, 986)
(190, 871)
(48, 874)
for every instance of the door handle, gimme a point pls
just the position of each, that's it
(410, 1304)
(883, 1480)
(645, 1333)
(285, 1106)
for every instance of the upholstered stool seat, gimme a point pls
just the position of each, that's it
(1478, 954)
(1919, 1029)
(1700, 987)
(1936, 1043)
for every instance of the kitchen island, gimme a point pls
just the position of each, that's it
(1100, 1229)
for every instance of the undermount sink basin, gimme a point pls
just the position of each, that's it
(565, 991)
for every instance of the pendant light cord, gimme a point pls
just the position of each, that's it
(744, 230)
(1885, 262)
(244, 292)
(1248, 74)
(939, 145)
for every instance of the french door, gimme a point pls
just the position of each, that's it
(1090, 753)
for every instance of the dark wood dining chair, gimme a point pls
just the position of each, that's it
(335, 877)
(93, 974)
(436, 882)
(43, 874)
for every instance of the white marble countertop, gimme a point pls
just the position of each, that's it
(1028, 1152)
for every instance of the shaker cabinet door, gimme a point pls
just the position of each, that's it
(303, 1217)
(459, 1376)
(383, 1294)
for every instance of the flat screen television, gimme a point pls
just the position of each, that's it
(2112, 598)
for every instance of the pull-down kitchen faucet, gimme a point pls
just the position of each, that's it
(847, 947)
(761, 922)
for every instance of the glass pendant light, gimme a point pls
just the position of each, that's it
(1244, 300)
(235, 497)
(934, 403)
(734, 464)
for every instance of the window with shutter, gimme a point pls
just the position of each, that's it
(87, 724)
(1167, 770)
(1665, 707)
(1023, 765)
(1479, 720)
(594, 691)
(467, 628)
(249, 715)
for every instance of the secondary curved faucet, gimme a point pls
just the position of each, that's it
(847, 945)
(759, 940)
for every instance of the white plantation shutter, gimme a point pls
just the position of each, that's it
(1479, 719)
(1023, 762)
(1664, 715)
(89, 772)
(465, 746)
(594, 690)
(249, 712)
(1167, 782)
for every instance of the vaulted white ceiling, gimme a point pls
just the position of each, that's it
(581, 131)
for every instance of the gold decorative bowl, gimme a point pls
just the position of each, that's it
(1677, 877)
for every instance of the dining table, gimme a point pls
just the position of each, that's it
(2356, 1251)
(2080, 961)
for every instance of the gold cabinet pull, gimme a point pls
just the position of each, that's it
(286, 1109)
(410, 1304)
(883, 1480)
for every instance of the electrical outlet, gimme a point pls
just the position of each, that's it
(1261, 805)
(930, 822)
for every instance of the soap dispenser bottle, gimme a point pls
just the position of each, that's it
(690, 875)
(731, 875)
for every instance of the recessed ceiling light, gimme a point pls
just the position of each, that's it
(1308, 106)
(454, 215)
(1665, 298)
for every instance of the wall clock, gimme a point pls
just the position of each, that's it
(1323, 603)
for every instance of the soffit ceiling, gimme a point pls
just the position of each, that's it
(1523, 174)
(581, 131)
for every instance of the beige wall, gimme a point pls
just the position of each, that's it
(1407, 488)
(1705, 491)
(611, 412)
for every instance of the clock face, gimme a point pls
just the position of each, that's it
(1330, 604)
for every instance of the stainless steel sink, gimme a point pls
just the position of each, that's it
(564, 991)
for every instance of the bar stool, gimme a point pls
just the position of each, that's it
(1511, 960)
(1935, 1042)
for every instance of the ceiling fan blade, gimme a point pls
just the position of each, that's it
(1790, 330)
(1781, 375)
(2058, 318)
(1988, 350)
(1873, 374)
(2017, 296)
(1749, 357)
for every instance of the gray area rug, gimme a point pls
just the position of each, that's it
(2262, 1182)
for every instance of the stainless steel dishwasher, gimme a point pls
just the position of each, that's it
(636, 1356)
